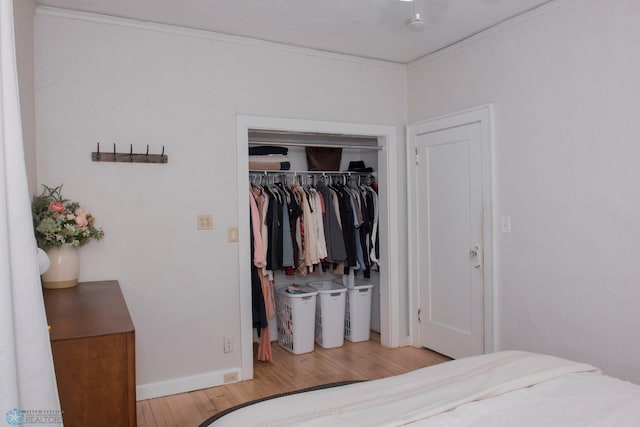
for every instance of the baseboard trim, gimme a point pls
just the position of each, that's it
(186, 384)
(404, 342)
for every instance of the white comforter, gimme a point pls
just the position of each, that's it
(499, 389)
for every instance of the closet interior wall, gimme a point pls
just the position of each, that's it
(298, 161)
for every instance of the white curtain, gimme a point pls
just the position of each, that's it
(27, 380)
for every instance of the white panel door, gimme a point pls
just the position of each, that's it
(450, 244)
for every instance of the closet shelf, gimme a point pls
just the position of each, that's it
(312, 139)
(323, 145)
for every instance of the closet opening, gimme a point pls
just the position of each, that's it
(369, 150)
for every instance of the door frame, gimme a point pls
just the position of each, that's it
(388, 225)
(484, 116)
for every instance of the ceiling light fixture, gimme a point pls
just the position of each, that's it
(416, 23)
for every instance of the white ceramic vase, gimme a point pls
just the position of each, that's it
(63, 271)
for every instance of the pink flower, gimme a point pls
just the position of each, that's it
(81, 212)
(81, 221)
(56, 207)
(71, 217)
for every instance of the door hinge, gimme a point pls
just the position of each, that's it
(419, 315)
(417, 156)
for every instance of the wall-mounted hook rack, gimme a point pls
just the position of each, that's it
(129, 157)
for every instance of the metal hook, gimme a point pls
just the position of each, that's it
(162, 155)
(114, 151)
(131, 152)
(98, 153)
(146, 156)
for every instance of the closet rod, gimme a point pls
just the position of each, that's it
(295, 173)
(299, 144)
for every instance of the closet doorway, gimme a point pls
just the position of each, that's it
(385, 138)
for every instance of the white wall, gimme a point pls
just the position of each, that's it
(565, 86)
(113, 82)
(23, 27)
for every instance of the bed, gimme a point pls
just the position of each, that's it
(509, 388)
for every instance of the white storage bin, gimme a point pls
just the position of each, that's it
(375, 298)
(296, 314)
(330, 307)
(357, 318)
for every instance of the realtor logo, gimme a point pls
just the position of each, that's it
(14, 417)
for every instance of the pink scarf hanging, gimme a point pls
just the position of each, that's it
(264, 347)
(259, 260)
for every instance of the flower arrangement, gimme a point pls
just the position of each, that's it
(58, 221)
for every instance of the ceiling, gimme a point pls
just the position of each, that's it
(367, 28)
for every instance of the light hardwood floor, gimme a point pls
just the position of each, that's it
(354, 361)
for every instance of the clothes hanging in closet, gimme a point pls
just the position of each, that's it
(299, 228)
(263, 303)
(334, 240)
(306, 226)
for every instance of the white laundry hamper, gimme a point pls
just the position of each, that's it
(357, 318)
(296, 319)
(330, 309)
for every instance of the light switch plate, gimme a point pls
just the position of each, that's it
(205, 222)
(233, 234)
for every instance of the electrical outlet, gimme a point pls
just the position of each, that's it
(228, 345)
(230, 377)
(205, 222)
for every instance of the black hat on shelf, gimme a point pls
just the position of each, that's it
(358, 166)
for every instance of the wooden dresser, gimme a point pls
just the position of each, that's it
(93, 345)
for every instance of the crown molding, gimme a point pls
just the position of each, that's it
(210, 35)
(504, 25)
(508, 23)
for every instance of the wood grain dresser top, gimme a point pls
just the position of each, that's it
(87, 310)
